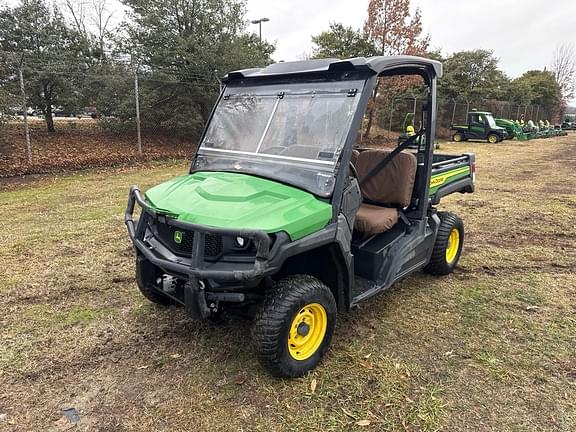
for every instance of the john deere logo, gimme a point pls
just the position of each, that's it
(178, 237)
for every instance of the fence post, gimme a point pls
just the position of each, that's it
(137, 101)
(390, 121)
(453, 112)
(25, 111)
(537, 111)
(218, 79)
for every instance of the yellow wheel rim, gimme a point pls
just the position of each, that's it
(307, 331)
(457, 137)
(453, 245)
(493, 139)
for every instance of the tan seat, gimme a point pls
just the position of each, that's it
(387, 191)
(372, 219)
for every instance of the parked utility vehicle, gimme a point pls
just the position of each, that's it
(281, 219)
(481, 126)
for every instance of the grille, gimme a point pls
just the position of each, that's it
(168, 235)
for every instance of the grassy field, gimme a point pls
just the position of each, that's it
(491, 347)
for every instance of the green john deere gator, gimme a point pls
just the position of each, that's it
(480, 126)
(282, 218)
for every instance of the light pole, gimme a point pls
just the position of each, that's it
(259, 22)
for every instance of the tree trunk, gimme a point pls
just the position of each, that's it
(372, 110)
(369, 124)
(48, 108)
(49, 118)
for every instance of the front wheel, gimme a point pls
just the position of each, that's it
(493, 138)
(294, 325)
(146, 276)
(448, 245)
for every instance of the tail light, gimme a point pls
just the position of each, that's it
(473, 167)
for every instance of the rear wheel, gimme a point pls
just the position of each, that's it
(493, 138)
(294, 325)
(457, 137)
(448, 245)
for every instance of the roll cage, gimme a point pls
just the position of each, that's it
(369, 70)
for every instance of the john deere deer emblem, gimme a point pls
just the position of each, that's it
(178, 237)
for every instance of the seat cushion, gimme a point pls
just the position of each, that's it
(392, 185)
(372, 219)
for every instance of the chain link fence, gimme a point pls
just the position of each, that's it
(124, 120)
(118, 118)
(392, 121)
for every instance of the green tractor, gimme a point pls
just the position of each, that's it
(513, 129)
(282, 219)
(480, 126)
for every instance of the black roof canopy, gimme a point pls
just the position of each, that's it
(376, 65)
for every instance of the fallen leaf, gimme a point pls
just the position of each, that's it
(366, 365)
(367, 356)
(313, 385)
(363, 422)
(175, 356)
(532, 308)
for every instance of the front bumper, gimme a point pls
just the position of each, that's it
(195, 268)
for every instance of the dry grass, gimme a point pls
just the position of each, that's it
(491, 347)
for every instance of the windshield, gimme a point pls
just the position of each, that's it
(490, 120)
(291, 132)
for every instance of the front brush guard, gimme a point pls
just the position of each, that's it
(196, 271)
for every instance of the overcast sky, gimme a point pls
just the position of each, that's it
(522, 34)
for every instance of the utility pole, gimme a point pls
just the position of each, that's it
(137, 101)
(25, 110)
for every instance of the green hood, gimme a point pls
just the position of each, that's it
(231, 200)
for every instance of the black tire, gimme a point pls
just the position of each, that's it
(439, 263)
(275, 317)
(146, 275)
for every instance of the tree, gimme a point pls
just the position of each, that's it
(36, 36)
(342, 42)
(520, 92)
(545, 91)
(392, 28)
(92, 20)
(564, 69)
(393, 31)
(180, 47)
(473, 76)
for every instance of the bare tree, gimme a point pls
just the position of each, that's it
(101, 17)
(564, 69)
(91, 17)
(77, 10)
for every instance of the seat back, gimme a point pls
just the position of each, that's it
(394, 183)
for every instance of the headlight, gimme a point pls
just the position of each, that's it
(240, 242)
